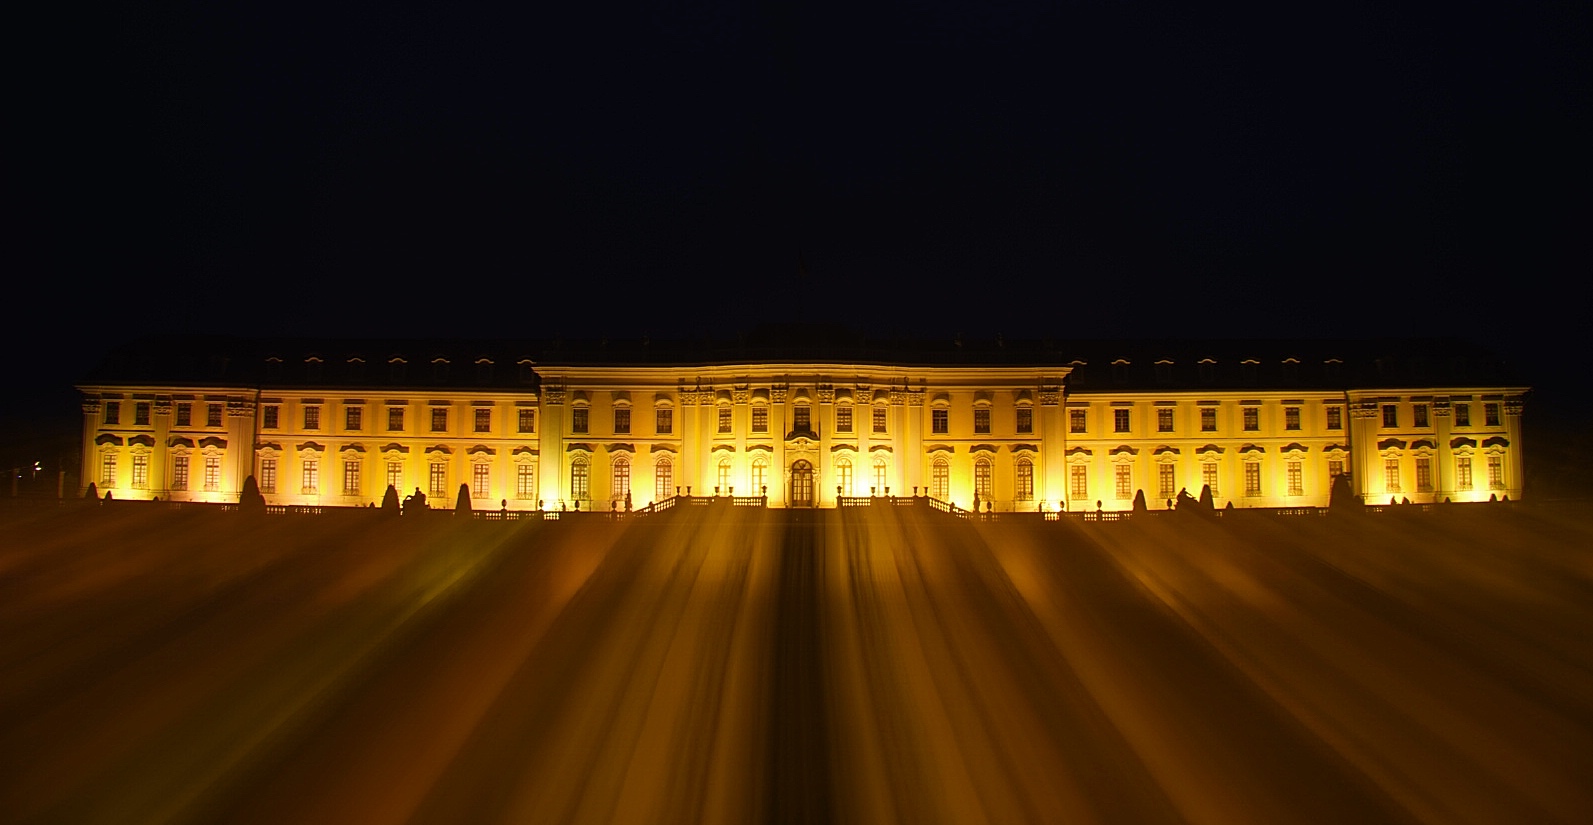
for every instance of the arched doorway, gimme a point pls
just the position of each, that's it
(801, 484)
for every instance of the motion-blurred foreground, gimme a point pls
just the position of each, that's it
(725, 665)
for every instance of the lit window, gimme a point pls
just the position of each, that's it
(664, 421)
(483, 419)
(141, 413)
(437, 478)
(760, 476)
(1291, 418)
(528, 420)
(480, 480)
(938, 421)
(1124, 478)
(1120, 421)
(578, 420)
(982, 420)
(1295, 478)
(1208, 419)
(185, 414)
(309, 477)
(1495, 472)
(212, 472)
(1252, 419)
(843, 475)
(1208, 477)
(724, 476)
(879, 419)
(1335, 467)
(940, 479)
(1025, 420)
(1462, 415)
(1076, 421)
(622, 422)
(1463, 473)
(724, 418)
(984, 484)
(213, 415)
(525, 481)
(140, 471)
(108, 470)
(663, 479)
(395, 419)
(1390, 415)
(621, 483)
(1025, 480)
(268, 417)
(351, 477)
(1424, 474)
(1166, 475)
(801, 419)
(353, 417)
(179, 472)
(1391, 475)
(580, 480)
(395, 475)
(1079, 483)
(760, 419)
(113, 412)
(268, 474)
(1490, 415)
(1335, 418)
(312, 418)
(439, 419)
(843, 419)
(1164, 420)
(879, 477)
(1419, 415)
(1252, 478)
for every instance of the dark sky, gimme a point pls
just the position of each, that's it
(1035, 169)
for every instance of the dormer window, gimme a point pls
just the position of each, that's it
(397, 369)
(313, 368)
(1120, 370)
(483, 371)
(439, 370)
(1206, 368)
(1164, 371)
(356, 369)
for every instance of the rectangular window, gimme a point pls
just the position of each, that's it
(1335, 418)
(1495, 472)
(622, 422)
(395, 475)
(1208, 477)
(1490, 415)
(484, 419)
(1166, 475)
(527, 420)
(1419, 413)
(984, 485)
(843, 419)
(1291, 418)
(525, 481)
(940, 480)
(353, 418)
(395, 419)
(1164, 420)
(140, 471)
(1025, 422)
(179, 473)
(801, 419)
(1463, 473)
(1120, 421)
(1208, 419)
(1390, 415)
(1252, 478)
(310, 477)
(760, 419)
(268, 475)
(113, 412)
(268, 417)
(312, 418)
(982, 420)
(212, 472)
(141, 413)
(578, 423)
(580, 481)
(437, 478)
(724, 418)
(213, 415)
(439, 419)
(1424, 474)
(108, 470)
(480, 479)
(664, 420)
(1391, 475)
(663, 481)
(1076, 421)
(185, 414)
(1078, 482)
(938, 421)
(351, 477)
(1252, 419)
(1124, 477)
(1335, 468)
(1462, 415)
(1296, 479)
(879, 419)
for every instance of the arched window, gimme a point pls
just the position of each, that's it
(843, 475)
(1025, 480)
(940, 479)
(580, 479)
(760, 475)
(881, 475)
(621, 488)
(663, 479)
(982, 482)
(724, 476)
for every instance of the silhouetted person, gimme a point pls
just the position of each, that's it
(462, 503)
(390, 501)
(1139, 502)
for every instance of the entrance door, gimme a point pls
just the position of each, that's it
(801, 484)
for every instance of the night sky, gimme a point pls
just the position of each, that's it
(691, 166)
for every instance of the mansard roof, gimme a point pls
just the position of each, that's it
(1095, 366)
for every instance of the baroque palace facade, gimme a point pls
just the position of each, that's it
(803, 417)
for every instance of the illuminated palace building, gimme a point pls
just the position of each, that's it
(802, 416)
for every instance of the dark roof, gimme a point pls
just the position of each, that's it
(1097, 366)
